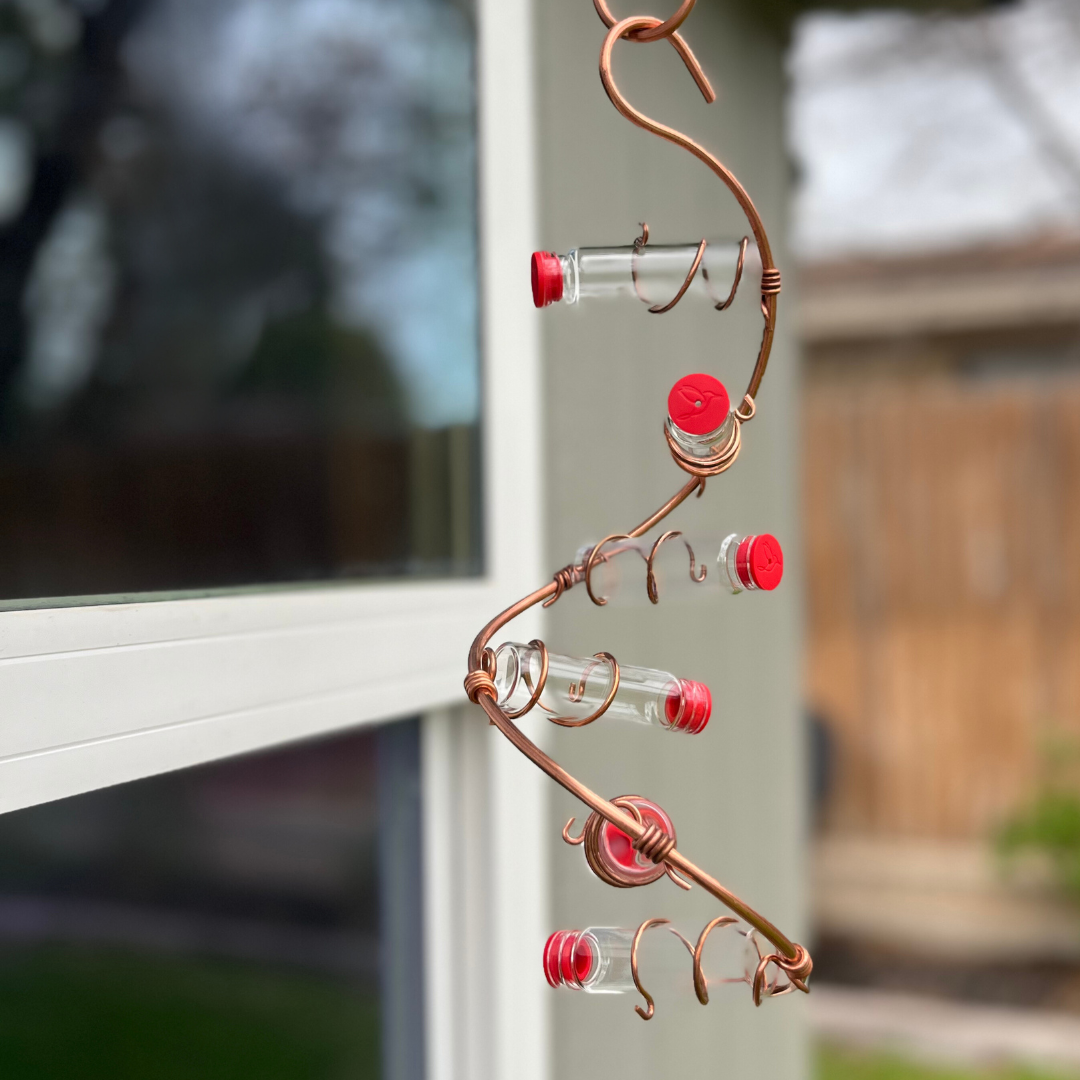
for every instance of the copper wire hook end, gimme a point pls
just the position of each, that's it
(643, 239)
(650, 575)
(675, 877)
(651, 29)
(744, 417)
(697, 579)
(649, 1012)
(593, 559)
(573, 841)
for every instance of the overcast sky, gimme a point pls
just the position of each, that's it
(913, 133)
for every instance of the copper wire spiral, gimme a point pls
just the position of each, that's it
(649, 839)
(654, 843)
(695, 265)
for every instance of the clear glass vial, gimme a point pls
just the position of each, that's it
(597, 959)
(577, 687)
(652, 275)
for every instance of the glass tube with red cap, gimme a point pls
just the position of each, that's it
(652, 274)
(597, 960)
(700, 418)
(577, 687)
(751, 562)
(739, 563)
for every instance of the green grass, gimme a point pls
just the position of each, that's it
(97, 1014)
(833, 1064)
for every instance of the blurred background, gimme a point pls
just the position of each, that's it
(240, 311)
(936, 222)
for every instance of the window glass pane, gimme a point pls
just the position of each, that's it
(259, 917)
(238, 293)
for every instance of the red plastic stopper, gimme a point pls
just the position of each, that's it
(698, 404)
(547, 279)
(620, 848)
(759, 562)
(688, 707)
(568, 958)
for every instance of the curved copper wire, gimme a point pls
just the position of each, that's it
(578, 692)
(646, 925)
(665, 29)
(593, 559)
(653, 843)
(797, 968)
(541, 682)
(684, 51)
(750, 406)
(719, 305)
(639, 245)
(723, 305)
(719, 461)
(770, 274)
(573, 841)
(701, 987)
(650, 574)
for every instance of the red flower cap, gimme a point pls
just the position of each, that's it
(698, 404)
(568, 958)
(547, 278)
(759, 562)
(688, 707)
(617, 848)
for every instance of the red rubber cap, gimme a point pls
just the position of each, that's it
(547, 280)
(689, 707)
(759, 562)
(551, 958)
(568, 958)
(618, 847)
(698, 404)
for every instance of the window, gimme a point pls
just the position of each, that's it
(239, 338)
(257, 916)
(104, 690)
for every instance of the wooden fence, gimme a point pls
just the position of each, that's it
(943, 584)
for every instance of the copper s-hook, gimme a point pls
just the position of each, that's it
(658, 29)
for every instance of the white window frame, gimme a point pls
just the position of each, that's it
(106, 693)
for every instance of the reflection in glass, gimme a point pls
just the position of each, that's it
(238, 293)
(242, 919)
